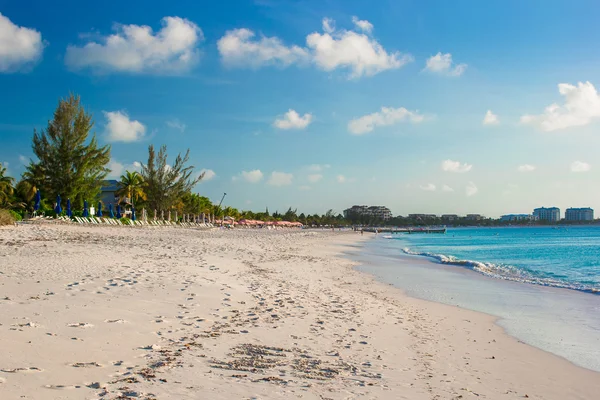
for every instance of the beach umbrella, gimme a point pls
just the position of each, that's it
(69, 212)
(58, 208)
(38, 200)
(119, 216)
(155, 214)
(110, 211)
(169, 216)
(99, 213)
(132, 213)
(86, 212)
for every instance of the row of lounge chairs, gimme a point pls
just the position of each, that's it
(141, 223)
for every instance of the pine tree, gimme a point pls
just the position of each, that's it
(167, 184)
(70, 162)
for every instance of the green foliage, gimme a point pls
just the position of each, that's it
(6, 187)
(6, 218)
(16, 216)
(125, 220)
(195, 204)
(131, 185)
(167, 184)
(70, 162)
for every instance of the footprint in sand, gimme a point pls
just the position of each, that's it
(80, 325)
(85, 364)
(62, 387)
(115, 321)
(15, 370)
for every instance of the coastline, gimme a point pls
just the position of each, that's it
(170, 313)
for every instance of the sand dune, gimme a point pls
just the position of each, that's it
(118, 313)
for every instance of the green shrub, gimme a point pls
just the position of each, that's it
(6, 218)
(16, 215)
(125, 221)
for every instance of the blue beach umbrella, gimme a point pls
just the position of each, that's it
(69, 212)
(58, 208)
(38, 200)
(110, 211)
(99, 213)
(132, 214)
(119, 216)
(86, 212)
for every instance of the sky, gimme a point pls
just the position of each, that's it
(425, 107)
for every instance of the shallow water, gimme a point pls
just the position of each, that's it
(562, 321)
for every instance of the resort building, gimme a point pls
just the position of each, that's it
(518, 217)
(378, 212)
(450, 217)
(475, 217)
(579, 214)
(108, 193)
(421, 216)
(551, 214)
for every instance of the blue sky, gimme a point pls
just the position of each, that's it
(335, 102)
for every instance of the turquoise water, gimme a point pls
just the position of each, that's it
(564, 257)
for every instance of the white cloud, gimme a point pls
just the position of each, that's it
(363, 25)
(240, 48)
(430, 187)
(119, 128)
(117, 168)
(442, 64)
(314, 178)
(208, 174)
(363, 55)
(490, 118)
(176, 124)
(471, 189)
(24, 160)
(526, 168)
(455, 166)
(280, 179)
(341, 178)
(581, 106)
(330, 50)
(293, 120)
(580, 166)
(137, 49)
(20, 47)
(387, 116)
(252, 176)
(447, 188)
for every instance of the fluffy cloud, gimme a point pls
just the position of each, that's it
(341, 178)
(455, 166)
(119, 128)
(387, 116)
(19, 47)
(280, 179)
(136, 48)
(117, 168)
(490, 118)
(363, 25)
(526, 168)
(471, 189)
(24, 160)
(430, 187)
(293, 120)
(581, 106)
(442, 64)
(252, 176)
(363, 55)
(208, 174)
(314, 178)
(241, 48)
(447, 188)
(330, 50)
(580, 166)
(176, 124)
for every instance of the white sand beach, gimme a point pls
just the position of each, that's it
(162, 313)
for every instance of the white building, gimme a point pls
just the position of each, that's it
(378, 212)
(518, 217)
(579, 214)
(551, 214)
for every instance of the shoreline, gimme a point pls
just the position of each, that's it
(238, 314)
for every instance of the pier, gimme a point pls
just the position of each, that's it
(406, 230)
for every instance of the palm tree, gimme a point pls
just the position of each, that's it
(132, 186)
(6, 186)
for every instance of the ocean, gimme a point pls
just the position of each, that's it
(543, 283)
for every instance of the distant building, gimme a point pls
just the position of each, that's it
(421, 216)
(579, 214)
(108, 193)
(450, 217)
(378, 212)
(518, 217)
(474, 217)
(551, 214)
